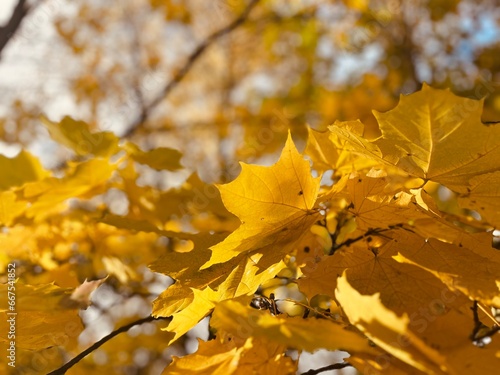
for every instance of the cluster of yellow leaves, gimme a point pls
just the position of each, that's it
(58, 229)
(402, 272)
(399, 275)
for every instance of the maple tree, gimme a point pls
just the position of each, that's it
(378, 240)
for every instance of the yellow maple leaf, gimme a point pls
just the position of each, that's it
(329, 151)
(387, 330)
(426, 135)
(44, 317)
(241, 321)
(161, 158)
(483, 195)
(77, 136)
(86, 179)
(188, 305)
(274, 204)
(10, 207)
(369, 267)
(20, 169)
(375, 205)
(451, 264)
(212, 357)
(228, 356)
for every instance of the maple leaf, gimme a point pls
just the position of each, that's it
(241, 321)
(451, 264)
(77, 136)
(85, 180)
(161, 158)
(20, 169)
(329, 151)
(44, 317)
(483, 195)
(226, 356)
(274, 204)
(190, 302)
(388, 330)
(425, 136)
(370, 267)
(375, 205)
(80, 297)
(10, 207)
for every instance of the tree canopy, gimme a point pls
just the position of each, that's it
(192, 187)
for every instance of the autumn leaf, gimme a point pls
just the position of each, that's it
(77, 136)
(329, 151)
(190, 302)
(374, 204)
(20, 169)
(273, 204)
(44, 317)
(161, 158)
(425, 135)
(10, 207)
(369, 266)
(388, 330)
(212, 357)
(240, 321)
(483, 195)
(225, 356)
(85, 179)
(451, 264)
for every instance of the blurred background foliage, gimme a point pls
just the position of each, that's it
(290, 63)
(184, 75)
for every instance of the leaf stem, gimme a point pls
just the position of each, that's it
(62, 370)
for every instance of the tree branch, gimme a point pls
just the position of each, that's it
(369, 232)
(179, 76)
(335, 366)
(62, 370)
(8, 31)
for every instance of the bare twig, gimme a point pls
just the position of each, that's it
(177, 78)
(481, 331)
(335, 366)
(477, 323)
(62, 370)
(489, 333)
(8, 31)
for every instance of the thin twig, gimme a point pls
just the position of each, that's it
(177, 78)
(335, 366)
(489, 333)
(62, 370)
(369, 232)
(477, 323)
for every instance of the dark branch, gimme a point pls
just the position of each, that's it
(62, 370)
(335, 366)
(489, 333)
(8, 31)
(477, 323)
(369, 232)
(178, 77)
(480, 331)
